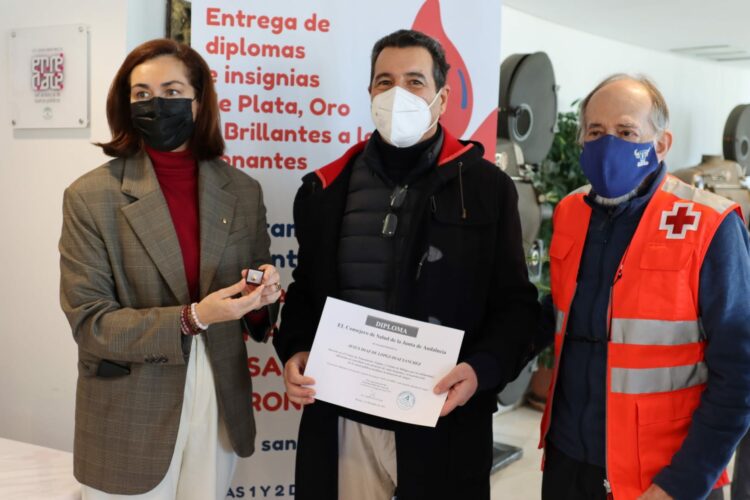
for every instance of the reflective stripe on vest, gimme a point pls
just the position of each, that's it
(653, 380)
(706, 198)
(559, 320)
(655, 332)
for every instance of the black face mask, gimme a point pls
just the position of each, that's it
(164, 124)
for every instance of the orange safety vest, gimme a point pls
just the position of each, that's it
(655, 354)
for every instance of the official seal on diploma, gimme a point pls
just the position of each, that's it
(406, 400)
(380, 363)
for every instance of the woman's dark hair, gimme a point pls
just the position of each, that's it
(410, 38)
(206, 141)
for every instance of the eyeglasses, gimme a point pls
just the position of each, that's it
(390, 222)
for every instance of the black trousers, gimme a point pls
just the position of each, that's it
(568, 479)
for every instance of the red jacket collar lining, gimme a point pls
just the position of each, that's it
(452, 149)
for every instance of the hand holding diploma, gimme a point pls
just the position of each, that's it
(297, 385)
(461, 384)
(382, 364)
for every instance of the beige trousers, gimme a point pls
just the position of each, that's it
(203, 461)
(367, 462)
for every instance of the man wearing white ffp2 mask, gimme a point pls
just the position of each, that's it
(412, 221)
(401, 117)
(407, 99)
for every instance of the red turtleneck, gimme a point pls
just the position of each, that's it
(177, 173)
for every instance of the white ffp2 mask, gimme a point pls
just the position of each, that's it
(401, 117)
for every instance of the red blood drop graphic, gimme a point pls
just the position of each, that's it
(458, 114)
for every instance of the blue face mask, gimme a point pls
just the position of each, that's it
(616, 167)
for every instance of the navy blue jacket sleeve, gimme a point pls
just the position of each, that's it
(723, 415)
(545, 332)
(486, 367)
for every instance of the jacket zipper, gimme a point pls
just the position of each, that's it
(394, 251)
(421, 263)
(556, 368)
(464, 213)
(618, 277)
(600, 285)
(425, 255)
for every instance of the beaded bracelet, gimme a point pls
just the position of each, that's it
(197, 322)
(186, 324)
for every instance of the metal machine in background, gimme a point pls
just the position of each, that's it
(726, 176)
(527, 118)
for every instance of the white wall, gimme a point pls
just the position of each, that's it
(37, 352)
(700, 94)
(147, 19)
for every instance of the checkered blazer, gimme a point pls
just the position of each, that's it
(122, 287)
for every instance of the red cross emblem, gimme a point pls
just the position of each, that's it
(678, 221)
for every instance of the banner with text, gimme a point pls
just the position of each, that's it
(292, 81)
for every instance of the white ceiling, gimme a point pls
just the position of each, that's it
(706, 29)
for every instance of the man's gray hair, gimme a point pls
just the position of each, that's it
(659, 111)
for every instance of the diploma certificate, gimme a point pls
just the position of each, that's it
(380, 363)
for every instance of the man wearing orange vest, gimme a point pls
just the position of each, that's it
(650, 280)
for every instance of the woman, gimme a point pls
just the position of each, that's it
(154, 250)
